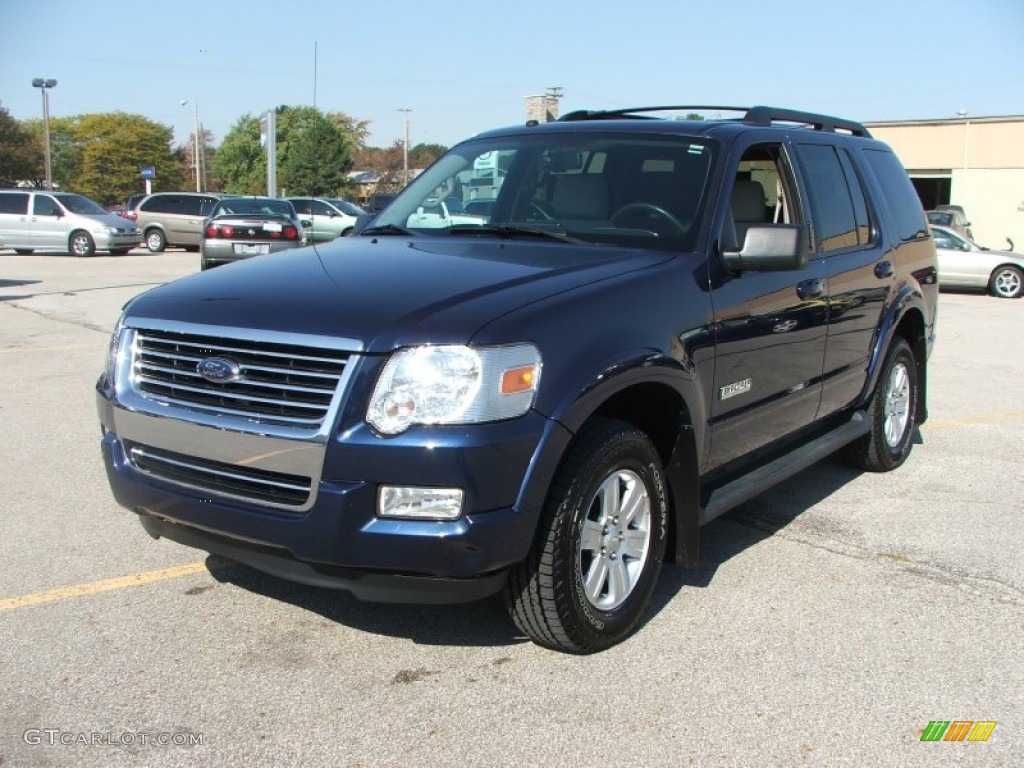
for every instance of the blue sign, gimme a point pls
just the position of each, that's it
(148, 172)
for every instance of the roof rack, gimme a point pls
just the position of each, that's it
(763, 116)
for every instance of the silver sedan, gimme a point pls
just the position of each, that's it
(240, 227)
(965, 264)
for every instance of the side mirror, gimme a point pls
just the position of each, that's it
(306, 223)
(965, 246)
(770, 248)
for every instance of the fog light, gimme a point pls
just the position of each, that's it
(419, 503)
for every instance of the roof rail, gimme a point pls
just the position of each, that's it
(631, 112)
(769, 115)
(761, 115)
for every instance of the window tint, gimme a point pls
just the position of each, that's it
(860, 205)
(899, 194)
(321, 208)
(14, 202)
(162, 204)
(302, 205)
(835, 225)
(44, 205)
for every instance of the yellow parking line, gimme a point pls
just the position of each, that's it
(95, 587)
(970, 420)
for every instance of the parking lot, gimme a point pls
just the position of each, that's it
(831, 621)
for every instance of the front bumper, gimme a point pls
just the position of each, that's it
(106, 241)
(336, 539)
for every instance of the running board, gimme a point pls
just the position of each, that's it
(761, 479)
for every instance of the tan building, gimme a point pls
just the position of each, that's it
(976, 162)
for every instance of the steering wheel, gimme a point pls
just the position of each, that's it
(678, 228)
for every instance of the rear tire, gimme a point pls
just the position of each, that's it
(155, 241)
(893, 414)
(1007, 282)
(599, 546)
(81, 244)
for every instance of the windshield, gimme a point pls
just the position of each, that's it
(82, 205)
(346, 207)
(637, 191)
(254, 207)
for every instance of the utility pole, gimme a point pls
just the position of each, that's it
(405, 153)
(44, 84)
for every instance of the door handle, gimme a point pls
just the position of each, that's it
(810, 289)
(883, 269)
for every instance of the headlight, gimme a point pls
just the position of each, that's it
(454, 385)
(114, 352)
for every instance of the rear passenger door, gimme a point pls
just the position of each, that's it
(769, 326)
(860, 277)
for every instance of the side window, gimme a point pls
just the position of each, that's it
(193, 206)
(14, 202)
(835, 225)
(321, 208)
(303, 207)
(865, 232)
(157, 204)
(44, 205)
(902, 200)
(762, 193)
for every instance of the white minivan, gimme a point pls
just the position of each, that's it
(41, 220)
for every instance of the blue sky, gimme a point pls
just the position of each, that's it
(462, 66)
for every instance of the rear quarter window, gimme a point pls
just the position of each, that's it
(898, 192)
(14, 202)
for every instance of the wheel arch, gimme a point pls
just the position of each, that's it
(662, 401)
(906, 319)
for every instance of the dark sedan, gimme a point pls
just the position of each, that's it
(240, 227)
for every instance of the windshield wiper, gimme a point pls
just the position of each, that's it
(510, 230)
(387, 229)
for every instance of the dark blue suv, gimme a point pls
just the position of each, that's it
(646, 322)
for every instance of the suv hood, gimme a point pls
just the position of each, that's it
(388, 291)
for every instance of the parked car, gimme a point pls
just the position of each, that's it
(965, 264)
(240, 227)
(330, 217)
(173, 219)
(951, 217)
(661, 319)
(38, 220)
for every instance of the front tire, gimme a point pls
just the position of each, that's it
(155, 241)
(893, 414)
(81, 244)
(1007, 282)
(599, 546)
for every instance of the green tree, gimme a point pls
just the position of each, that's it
(314, 152)
(102, 155)
(21, 155)
(115, 147)
(240, 163)
(316, 157)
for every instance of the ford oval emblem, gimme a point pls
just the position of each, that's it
(219, 370)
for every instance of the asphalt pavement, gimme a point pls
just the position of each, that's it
(832, 620)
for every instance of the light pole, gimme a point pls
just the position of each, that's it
(44, 84)
(197, 150)
(405, 152)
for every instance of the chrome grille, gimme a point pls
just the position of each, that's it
(230, 480)
(278, 383)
